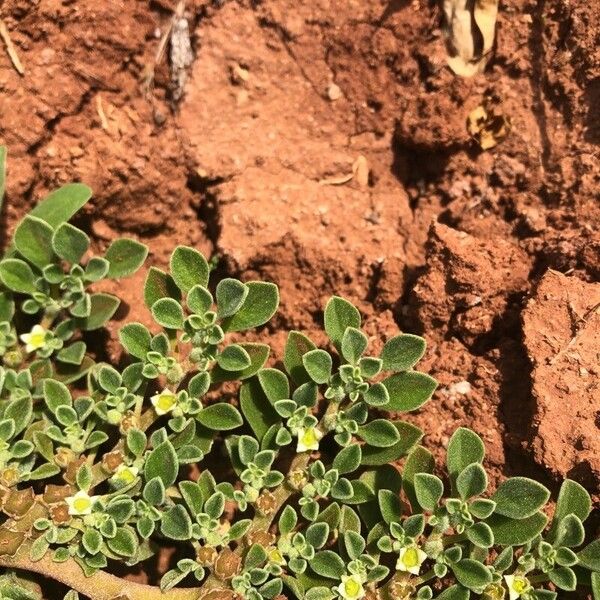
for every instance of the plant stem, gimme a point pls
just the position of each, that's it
(101, 586)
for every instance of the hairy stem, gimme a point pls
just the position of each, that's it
(101, 586)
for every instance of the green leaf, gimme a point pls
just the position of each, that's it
(215, 505)
(125, 542)
(20, 411)
(465, 447)
(574, 499)
(256, 408)
(70, 243)
(188, 268)
(563, 578)
(420, 460)
(296, 347)
(154, 492)
(159, 285)
(176, 523)
(589, 557)
(7, 306)
(481, 535)
(570, 532)
(17, 276)
(428, 490)
(91, 540)
(339, 315)
(409, 436)
(409, 390)
(472, 574)
(471, 481)
(234, 358)
(317, 534)
(403, 352)
(348, 459)
(258, 357)
(103, 307)
(33, 240)
(220, 417)
(199, 300)
(125, 256)
(287, 520)
(162, 463)
(520, 497)
(380, 433)
(318, 365)
(275, 384)
(328, 564)
(73, 354)
(390, 506)
(455, 592)
(596, 585)
(354, 344)
(354, 544)
(168, 313)
(136, 339)
(231, 294)
(56, 394)
(59, 206)
(516, 532)
(259, 306)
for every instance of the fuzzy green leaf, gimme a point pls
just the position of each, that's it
(176, 523)
(275, 384)
(33, 240)
(73, 354)
(231, 294)
(348, 459)
(287, 520)
(354, 344)
(328, 564)
(409, 390)
(159, 285)
(162, 463)
(188, 268)
(259, 306)
(403, 352)
(428, 489)
(390, 506)
(125, 256)
(234, 358)
(409, 436)
(136, 339)
(471, 481)
(70, 243)
(259, 353)
(220, 417)
(563, 578)
(318, 365)
(472, 574)
(17, 276)
(589, 557)
(573, 498)
(296, 347)
(481, 535)
(465, 447)
(125, 542)
(520, 497)
(339, 315)
(256, 408)
(380, 433)
(56, 394)
(516, 532)
(168, 313)
(420, 460)
(103, 307)
(59, 206)
(455, 592)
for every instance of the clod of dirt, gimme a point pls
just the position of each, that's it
(561, 326)
(467, 282)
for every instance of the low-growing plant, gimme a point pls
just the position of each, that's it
(270, 481)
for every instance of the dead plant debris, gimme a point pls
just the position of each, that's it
(487, 124)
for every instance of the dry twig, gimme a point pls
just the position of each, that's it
(11, 50)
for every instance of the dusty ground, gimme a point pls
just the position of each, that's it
(491, 255)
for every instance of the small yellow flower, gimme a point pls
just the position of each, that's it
(351, 588)
(276, 557)
(517, 586)
(81, 503)
(35, 339)
(164, 402)
(125, 474)
(410, 560)
(308, 439)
